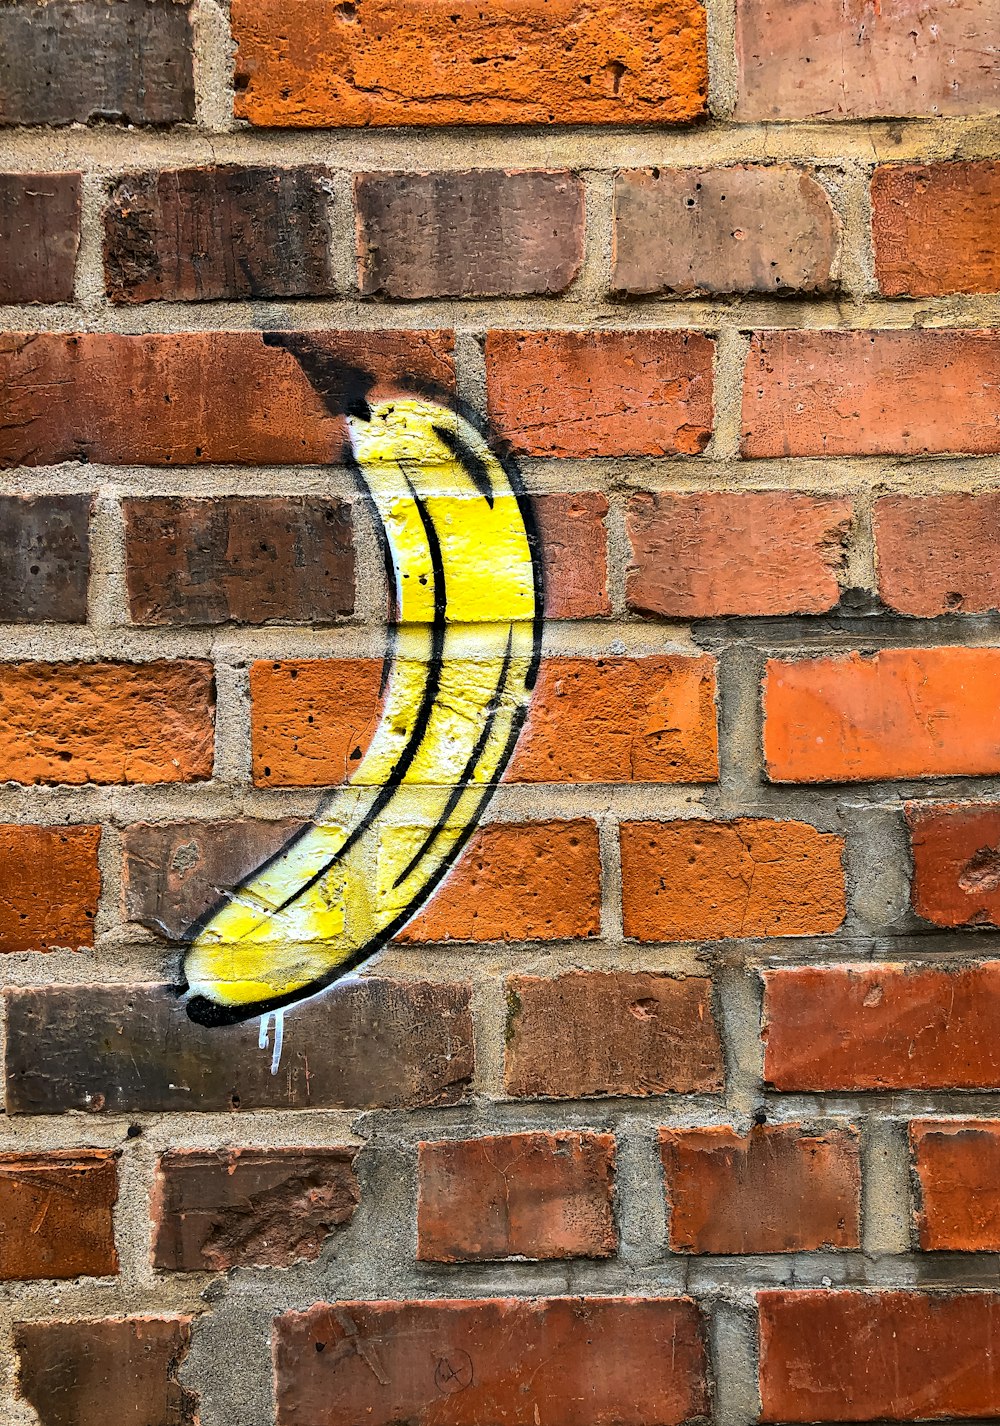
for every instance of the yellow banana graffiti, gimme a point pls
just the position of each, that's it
(463, 561)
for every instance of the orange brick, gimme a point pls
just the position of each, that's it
(956, 862)
(936, 554)
(898, 713)
(704, 881)
(57, 1214)
(537, 881)
(312, 719)
(319, 63)
(106, 722)
(913, 204)
(601, 393)
(33, 860)
(957, 1165)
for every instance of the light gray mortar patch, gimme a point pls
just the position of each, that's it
(885, 1188)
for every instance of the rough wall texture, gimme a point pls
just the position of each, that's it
(681, 1098)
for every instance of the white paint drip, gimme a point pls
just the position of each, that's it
(279, 1039)
(265, 1020)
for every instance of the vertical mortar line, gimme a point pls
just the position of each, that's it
(640, 1197)
(849, 182)
(723, 72)
(370, 593)
(489, 1023)
(108, 607)
(731, 349)
(110, 913)
(739, 996)
(619, 552)
(741, 763)
(609, 840)
(594, 282)
(734, 1353)
(89, 282)
(861, 571)
(232, 721)
(885, 1187)
(343, 235)
(214, 66)
(470, 369)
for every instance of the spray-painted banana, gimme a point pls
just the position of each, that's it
(465, 633)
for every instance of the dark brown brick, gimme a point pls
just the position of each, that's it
(249, 1207)
(39, 235)
(194, 234)
(125, 1049)
(120, 1370)
(249, 560)
(46, 558)
(484, 233)
(57, 1214)
(77, 61)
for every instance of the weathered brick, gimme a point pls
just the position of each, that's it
(122, 1369)
(882, 1027)
(365, 1044)
(240, 559)
(596, 1032)
(213, 1211)
(956, 862)
(57, 1214)
(936, 553)
(694, 880)
(913, 204)
(957, 1168)
(33, 861)
(872, 393)
(194, 234)
(601, 393)
(481, 233)
(106, 722)
(855, 60)
(868, 1356)
(777, 1189)
(423, 62)
(533, 881)
(77, 61)
(591, 720)
(747, 228)
(574, 554)
(896, 713)
(581, 1361)
(190, 397)
(702, 556)
(516, 1196)
(46, 564)
(39, 234)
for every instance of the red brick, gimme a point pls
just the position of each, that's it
(106, 722)
(913, 204)
(33, 860)
(704, 556)
(957, 1167)
(747, 228)
(430, 62)
(593, 1033)
(777, 1189)
(872, 393)
(882, 1027)
(189, 397)
(855, 60)
(597, 1361)
(39, 236)
(897, 713)
(516, 1196)
(528, 881)
(601, 393)
(213, 1211)
(121, 1370)
(57, 1214)
(867, 1356)
(574, 554)
(956, 862)
(936, 553)
(694, 880)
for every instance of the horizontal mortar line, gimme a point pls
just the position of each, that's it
(807, 636)
(45, 1133)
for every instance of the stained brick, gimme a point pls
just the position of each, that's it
(936, 554)
(107, 1048)
(248, 560)
(39, 234)
(956, 862)
(79, 61)
(700, 881)
(57, 1214)
(882, 1027)
(601, 393)
(777, 1189)
(581, 1361)
(767, 552)
(574, 554)
(957, 1167)
(483, 233)
(194, 234)
(249, 1207)
(46, 564)
(431, 62)
(913, 204)
(33, 861)
(747, 228)
(516, 1196)
(596, 1032)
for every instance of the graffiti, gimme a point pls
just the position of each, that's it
(463, 644)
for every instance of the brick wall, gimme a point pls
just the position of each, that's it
(681, 1098)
